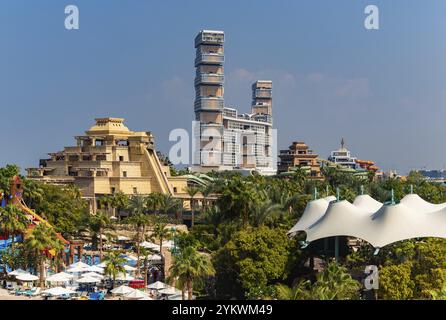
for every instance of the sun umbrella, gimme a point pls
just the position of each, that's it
(101, 265)
(136, 294)
(154, 257)
(78, 264)
(129, 268)
(93, 275)
(170, 291)
(58, 291)
(59, 277)
(124, 277)
(88, 280)
(96, 269)
(157, 285)
(27, 277)
(78, 269)
(17, 272)
(168, 244)
(122, 290)
(149, 245)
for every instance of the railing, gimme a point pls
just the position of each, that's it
(210, 78)
(209, 58)
(263, 93)
(209, 103)
(209, 38)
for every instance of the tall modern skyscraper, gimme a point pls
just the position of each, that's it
(225, 139)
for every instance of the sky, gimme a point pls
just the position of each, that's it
(382, 90)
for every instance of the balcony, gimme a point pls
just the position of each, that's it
(209, 103)
(263, 93)
(209, 58)
(217, 38)
(210, 78)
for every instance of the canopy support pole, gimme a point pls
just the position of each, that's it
(337, 249)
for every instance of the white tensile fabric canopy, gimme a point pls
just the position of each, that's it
(93, 275)
(370, 220)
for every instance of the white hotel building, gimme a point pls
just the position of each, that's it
(223, 138)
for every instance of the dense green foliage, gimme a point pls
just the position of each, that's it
(237, 246)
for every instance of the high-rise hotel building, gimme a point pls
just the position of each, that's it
(223, 138)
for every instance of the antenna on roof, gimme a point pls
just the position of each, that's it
(342, 143)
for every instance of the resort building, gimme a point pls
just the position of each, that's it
(343, 159)
(299, 155)
(223, 138)
(110, 158)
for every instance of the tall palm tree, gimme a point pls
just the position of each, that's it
(188, 266)
(139, 221)
(145, 252)
(13, 221)
(206, 190)
(114, 265)
(98, 223)
(161, 233)
(192, 192)
(39, 241)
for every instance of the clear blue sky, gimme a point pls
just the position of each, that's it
(383, 91)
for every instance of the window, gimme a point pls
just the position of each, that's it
(113, 190)
(175, 189)
(121, 158)
(135, 190)
(124, 174)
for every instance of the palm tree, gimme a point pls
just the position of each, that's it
(265, 212)
(192, 192)
(139, 221)
(161, 233)
(137, 205)
(146, 253)
(39, 241)
(206, 190)
(13, 221)
(98, 223)
(118, 201)
(301, 291)
(335, 283)
(153, 201)
(114, 265)
(188, 266)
